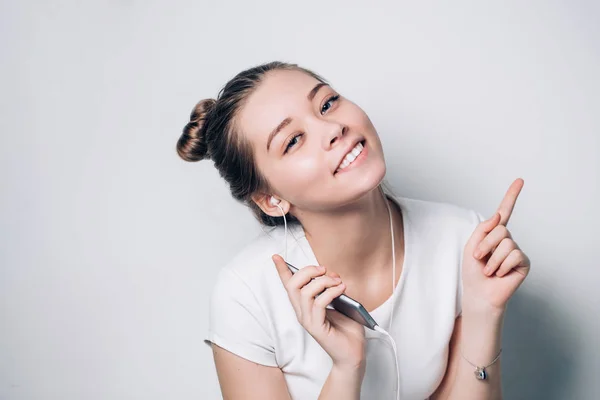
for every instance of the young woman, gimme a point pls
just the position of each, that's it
(436, 276)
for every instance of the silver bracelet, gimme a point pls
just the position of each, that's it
(480, 372)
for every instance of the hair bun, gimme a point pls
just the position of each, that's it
(192, 145)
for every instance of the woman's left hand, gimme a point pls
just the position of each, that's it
(493, 264)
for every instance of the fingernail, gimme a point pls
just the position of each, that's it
(322, 268)
(477, 253)
(337, 279)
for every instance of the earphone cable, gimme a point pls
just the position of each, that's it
(285, 231)
(381, 330)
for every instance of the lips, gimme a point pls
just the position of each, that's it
(348, 148)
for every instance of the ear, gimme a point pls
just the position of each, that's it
(263, 201)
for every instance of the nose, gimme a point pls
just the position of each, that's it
(333, 133)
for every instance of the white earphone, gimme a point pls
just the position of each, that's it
(275, 202)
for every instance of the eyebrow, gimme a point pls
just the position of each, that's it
(311, 95)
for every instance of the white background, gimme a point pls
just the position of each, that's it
(110, 243)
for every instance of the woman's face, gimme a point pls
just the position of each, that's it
(301, 131)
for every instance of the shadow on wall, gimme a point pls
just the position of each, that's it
(539, 349)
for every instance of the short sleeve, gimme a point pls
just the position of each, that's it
(475, 219)
(237, 323)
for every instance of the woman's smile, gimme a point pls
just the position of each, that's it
(358, 160)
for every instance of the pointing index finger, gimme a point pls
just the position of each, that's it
(510, 198)
(284, 273)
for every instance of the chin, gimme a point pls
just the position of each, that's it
(366, 182)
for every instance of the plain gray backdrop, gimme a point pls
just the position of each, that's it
(111, 243)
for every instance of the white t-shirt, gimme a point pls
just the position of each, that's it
(251, 315)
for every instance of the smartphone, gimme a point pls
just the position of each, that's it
(348, 306)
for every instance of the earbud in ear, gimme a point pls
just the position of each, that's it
(274, 201)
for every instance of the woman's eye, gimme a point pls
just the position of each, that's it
(327, 105)
(291, 142)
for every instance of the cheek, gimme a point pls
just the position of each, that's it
(302, 172)
(360, 121)
(299, 175)
(309, 167)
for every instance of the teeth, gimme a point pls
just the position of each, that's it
(351, 156)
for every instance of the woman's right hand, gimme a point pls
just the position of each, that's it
(341, 337)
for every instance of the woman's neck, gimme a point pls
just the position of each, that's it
(356, 243)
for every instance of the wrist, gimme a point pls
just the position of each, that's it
(350, 370)
(486, 323)
(478, 310)
(481, 336)
(344, 382)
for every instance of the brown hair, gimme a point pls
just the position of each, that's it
(212, 133)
